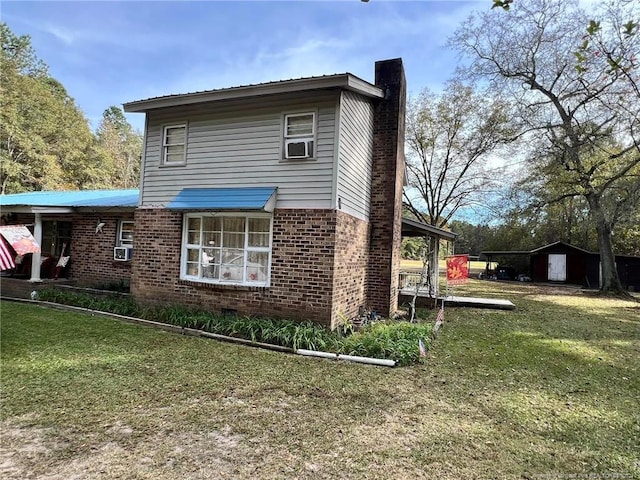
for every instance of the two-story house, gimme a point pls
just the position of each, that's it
(281, 198)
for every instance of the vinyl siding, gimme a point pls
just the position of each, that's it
(355, 154)
(239, 144)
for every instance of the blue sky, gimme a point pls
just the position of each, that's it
(108, 53)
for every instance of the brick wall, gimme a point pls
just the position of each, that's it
(351, 266)
(386, 191)
(92, 261)
(303, 256)
(91, 253)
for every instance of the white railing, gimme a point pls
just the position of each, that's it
(409, 279)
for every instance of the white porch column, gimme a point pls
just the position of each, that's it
(435, 270)
(35, 261)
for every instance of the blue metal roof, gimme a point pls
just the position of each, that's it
(248, 198)
(79, 198)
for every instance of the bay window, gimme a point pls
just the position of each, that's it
(226, 248)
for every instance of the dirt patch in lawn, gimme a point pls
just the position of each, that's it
(28, 452)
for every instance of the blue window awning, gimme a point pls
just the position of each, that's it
(247, 198)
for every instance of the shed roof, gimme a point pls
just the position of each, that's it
(560, 244)
(346, 81)
(550, 246)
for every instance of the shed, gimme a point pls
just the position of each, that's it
(565, 263)
(562, 262)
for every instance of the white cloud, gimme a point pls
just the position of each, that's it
(106, 53)
(352, 44)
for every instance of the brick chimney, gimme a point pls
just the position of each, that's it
(386, 189)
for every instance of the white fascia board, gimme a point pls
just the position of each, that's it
(345, 81)
(30, 209)
(15, 209)
(52, 209)
(362, 87)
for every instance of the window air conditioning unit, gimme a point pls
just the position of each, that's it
(122, 254)
(299, 148)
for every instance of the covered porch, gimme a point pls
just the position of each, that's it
(78, 233)
(433, 236)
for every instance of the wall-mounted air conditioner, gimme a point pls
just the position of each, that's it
(299, 148)
(122, 254)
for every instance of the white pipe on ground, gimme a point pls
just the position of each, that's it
(350, 358)
(313, 353)
(371, 361)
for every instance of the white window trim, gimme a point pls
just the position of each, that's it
(164, 161)
(304, 137)
(184, 249)
(119, 239)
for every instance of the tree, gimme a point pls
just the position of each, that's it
(119, 148)
(582, 114)
(472, 239)
(449, 139)
(44, 138)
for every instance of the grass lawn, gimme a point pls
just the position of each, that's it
(549, 390)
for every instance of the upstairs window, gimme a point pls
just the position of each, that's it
(174, 142)
(299, 135)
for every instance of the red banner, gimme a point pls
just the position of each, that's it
(458, 269)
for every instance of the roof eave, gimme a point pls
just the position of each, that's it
(344, 81)
(430, 229)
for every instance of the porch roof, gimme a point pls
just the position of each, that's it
(31, 201)
(413, 228)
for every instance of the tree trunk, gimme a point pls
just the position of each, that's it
(610, 281)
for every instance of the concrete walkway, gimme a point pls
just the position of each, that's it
(452, 301)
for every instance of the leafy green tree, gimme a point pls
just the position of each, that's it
(119, 148)
(581, 123)
(44, 137)
(472, 239)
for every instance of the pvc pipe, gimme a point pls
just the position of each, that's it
(244, 341)
(313, 353)
(371, 361)
(350, 358)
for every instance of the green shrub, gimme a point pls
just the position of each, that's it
(121, 286)
(392, 340)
